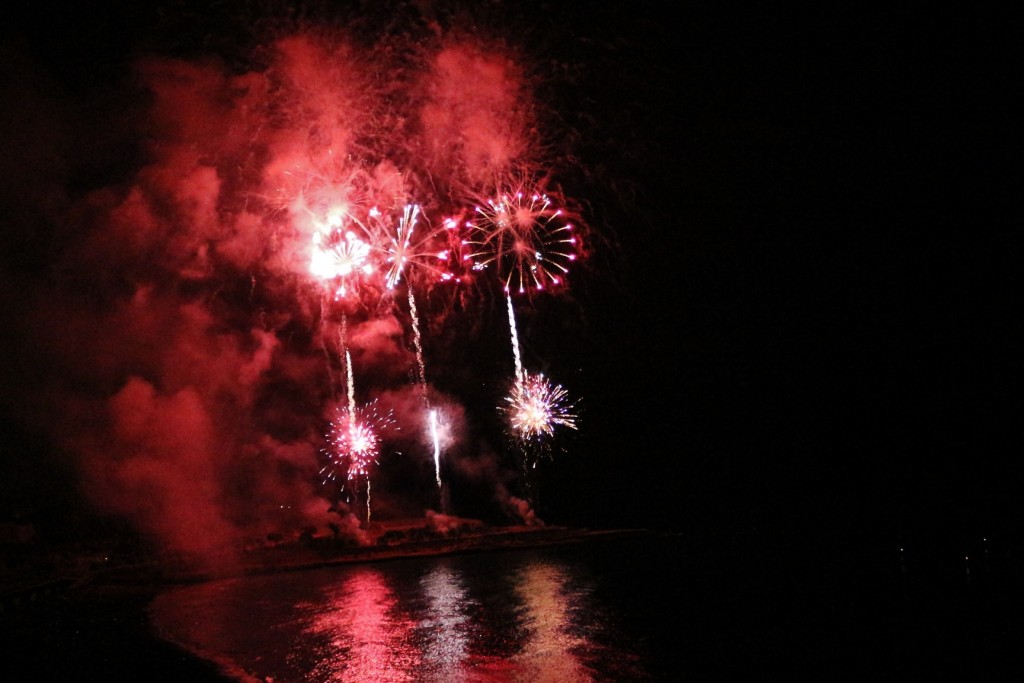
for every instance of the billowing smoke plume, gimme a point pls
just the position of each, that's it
(164, 318)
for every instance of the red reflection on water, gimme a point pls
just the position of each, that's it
(370, 638)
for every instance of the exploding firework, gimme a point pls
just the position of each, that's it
(247, 230)
(525, 238)
(354, 441)
(339, 255)
(403, 248)
(535, 407)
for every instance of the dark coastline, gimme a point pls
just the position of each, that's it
(100, 634)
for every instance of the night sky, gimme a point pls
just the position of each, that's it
(796, 315)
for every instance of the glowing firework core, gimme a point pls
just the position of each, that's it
(354, 441)
(361, 444)
(337, 255)
(536, 407)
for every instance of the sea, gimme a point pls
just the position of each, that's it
(630, 607)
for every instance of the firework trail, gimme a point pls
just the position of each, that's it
(437, 447)
(535, 406)
(421, 370)
(515, 337)
(350, 385)
(422, 383)
(405, 252)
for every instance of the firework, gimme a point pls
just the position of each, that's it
(523, 236)
(354, 440)
(339, 255)
(402, 248)
(535, 407)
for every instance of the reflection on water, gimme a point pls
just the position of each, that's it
(446, 625)
(367, 636)
(500, 617)
(549, 649)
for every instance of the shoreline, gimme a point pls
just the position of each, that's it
(324, 552)
(97, 625)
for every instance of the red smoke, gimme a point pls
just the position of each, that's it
(172, 335)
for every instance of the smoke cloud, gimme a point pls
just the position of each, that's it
(163, 321)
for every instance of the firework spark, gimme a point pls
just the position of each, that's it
(354, 441)
(535, 407)
(527, 239)
(402, 248)
(246, 234)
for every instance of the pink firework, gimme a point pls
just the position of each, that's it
(411, 244)
(354, 440)
(535, 407)
(525, 238)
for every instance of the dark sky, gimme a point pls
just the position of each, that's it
(797, 315)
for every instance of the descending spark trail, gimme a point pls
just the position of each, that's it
(422, 382)
(350, 385)
(421, 373)
(515, 336)
(437, 447)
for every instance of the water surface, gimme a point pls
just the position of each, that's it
(556, 613)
